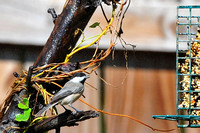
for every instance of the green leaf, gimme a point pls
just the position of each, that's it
(24, 117)
(26, 102)
(94, 25)
(24, 105)
(27, 111)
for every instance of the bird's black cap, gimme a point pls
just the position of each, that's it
(79, 74)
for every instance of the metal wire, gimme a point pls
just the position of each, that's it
(187, 97)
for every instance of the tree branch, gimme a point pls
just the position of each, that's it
(64, 36)
(64, 119)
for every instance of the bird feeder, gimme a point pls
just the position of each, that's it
(187, 68)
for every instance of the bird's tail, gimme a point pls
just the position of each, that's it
(44, 109)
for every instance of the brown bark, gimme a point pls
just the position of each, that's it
(64, 36)
(64, 119)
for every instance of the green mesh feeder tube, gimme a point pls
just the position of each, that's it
(187, 68)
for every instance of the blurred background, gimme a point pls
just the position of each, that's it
(146, 88)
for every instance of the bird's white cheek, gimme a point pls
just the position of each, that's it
(70, 99)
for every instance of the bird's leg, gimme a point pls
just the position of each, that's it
(64, 107)
(76, 110)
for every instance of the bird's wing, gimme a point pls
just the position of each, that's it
(68, 89)
(60, 95)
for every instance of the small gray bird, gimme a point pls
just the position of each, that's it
(70, 92)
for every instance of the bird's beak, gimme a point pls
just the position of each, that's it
(87, 76)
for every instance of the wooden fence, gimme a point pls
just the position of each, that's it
(146, 88)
